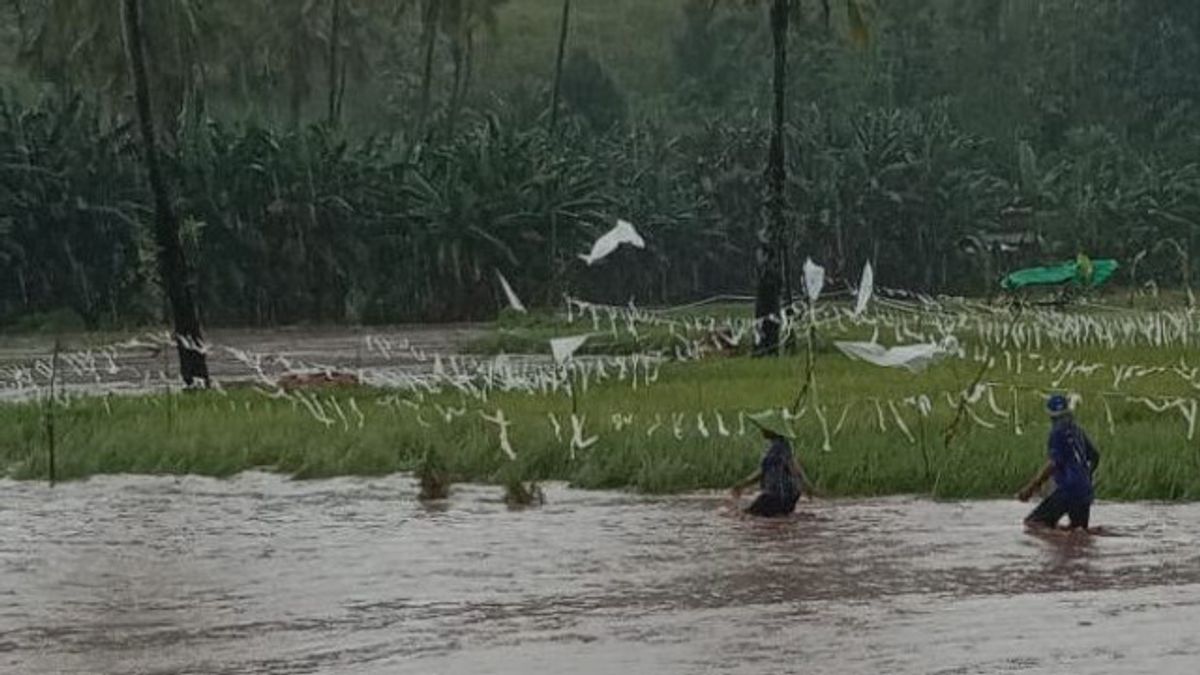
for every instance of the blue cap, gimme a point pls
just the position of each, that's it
(1057, 405)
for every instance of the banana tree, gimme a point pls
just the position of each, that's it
(69, 236)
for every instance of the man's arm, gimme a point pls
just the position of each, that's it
(750, 480)
(1038, 481)
(798, 471)
(1093, 455)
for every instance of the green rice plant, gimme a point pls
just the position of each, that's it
(869, 431)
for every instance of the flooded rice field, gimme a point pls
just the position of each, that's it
(259, 574)
(148, 362)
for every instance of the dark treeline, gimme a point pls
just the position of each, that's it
(337, 179)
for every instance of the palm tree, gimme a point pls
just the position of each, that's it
(770, 234)
(299, 46)
(461, 20)
(21, 23)
(335, 16)
(172, 265)
(558, 63)
(72, 45)
(429, 40)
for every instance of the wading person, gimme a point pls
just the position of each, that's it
(1071, 461)
(780, 477)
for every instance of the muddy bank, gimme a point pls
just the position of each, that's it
(262, 575)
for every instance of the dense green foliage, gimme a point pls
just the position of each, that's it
(1072, 121)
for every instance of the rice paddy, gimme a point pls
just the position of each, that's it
(663, 420)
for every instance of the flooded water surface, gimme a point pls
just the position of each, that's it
(259, 574)
(148, 363)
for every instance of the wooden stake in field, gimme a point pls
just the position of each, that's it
(48, 413)
(951, 431)
(570, 370)
(167, 390)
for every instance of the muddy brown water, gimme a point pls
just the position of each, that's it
(259, 574)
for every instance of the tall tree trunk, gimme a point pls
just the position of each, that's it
(462, 53)
(341, 93)
(558, 63)
(297, 94)
(335, 21)
(19, 10)
(457, 56)
(432, 13)
(770, 234)
(172, 265)
(470, 68)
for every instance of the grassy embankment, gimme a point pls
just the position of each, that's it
(1146, 454)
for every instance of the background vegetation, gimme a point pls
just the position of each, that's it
(345, 185)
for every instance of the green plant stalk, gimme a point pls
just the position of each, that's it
(929, 478)
(571, 376)
(810, 363)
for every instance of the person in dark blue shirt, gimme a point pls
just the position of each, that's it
(780, 477)
(1071, 461)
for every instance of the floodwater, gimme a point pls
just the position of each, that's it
(259, 574)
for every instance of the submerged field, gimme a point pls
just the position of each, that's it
(674, 420)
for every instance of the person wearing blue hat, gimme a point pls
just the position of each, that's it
(1071, 461)
(780, 477)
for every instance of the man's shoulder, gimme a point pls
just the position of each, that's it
(1067, 428)
(1061, 437)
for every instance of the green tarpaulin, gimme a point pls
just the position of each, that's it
(1102, 271)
